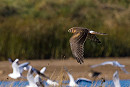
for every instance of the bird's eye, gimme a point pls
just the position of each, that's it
(69, 30)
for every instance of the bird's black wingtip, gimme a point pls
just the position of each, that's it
(80, 61)
(10, 60)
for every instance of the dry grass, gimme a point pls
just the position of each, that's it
(56, 72)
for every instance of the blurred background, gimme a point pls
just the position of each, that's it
(38, 29)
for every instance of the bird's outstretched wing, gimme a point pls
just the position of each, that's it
(37, 78)
(93, 37)
(104, 63)
(93, 66)
(43, 70)
(10, 60)
(21, 66)
(83, 79)
(24, 65)
(30, 77)
(124, 70)
(116, 79)
(72, 81)
(70, 76)
(77, 45)
(39, 73)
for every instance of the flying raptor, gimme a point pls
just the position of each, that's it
(78, 39)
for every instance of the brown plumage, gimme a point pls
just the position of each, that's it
(78, 39)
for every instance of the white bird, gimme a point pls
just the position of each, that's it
(52, 83)
(116, 79)
(72, 83)
(37, 78)
(17, 69)
(30, 78)
(113, 63)
(49, 81)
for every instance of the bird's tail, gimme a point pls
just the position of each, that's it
(93, 32)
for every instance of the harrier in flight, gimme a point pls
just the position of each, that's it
(78, 39)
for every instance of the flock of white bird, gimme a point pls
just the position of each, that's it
(38, 82)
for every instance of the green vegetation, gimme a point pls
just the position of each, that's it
(37, 29)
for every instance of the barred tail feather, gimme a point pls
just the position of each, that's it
(93, 32)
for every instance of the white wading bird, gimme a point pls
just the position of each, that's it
(113, 63)
(116, 79)
(17, 69)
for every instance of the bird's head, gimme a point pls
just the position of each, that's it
(17, 61)
(72, 30)
(103, 79)
(75, 29)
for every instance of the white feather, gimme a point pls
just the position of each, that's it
(91, 31)
(52, 83)
(116, 79)
(17, 69)
(113, 63)
(30, 78)
(37, 77)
